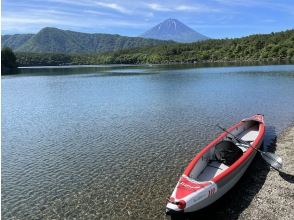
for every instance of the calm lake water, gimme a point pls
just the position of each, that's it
(111, 142)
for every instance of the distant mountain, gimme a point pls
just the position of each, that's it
(172, 29)
(16, 40)
(53, 40)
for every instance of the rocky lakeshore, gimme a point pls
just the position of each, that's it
(275, 200)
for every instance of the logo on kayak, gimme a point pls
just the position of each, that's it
(189, 186)
(211, 191)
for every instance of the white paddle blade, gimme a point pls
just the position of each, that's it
(274, 160)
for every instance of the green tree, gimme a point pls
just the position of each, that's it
(8, 59)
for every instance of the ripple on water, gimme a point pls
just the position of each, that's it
(114, 147)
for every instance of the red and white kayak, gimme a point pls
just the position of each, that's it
(218, 167)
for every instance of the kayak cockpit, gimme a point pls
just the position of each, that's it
(224, 153)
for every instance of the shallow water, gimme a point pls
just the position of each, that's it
(111, 142)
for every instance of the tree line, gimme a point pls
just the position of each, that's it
(8, 60)
(267, 47)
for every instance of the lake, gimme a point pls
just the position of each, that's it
(111, 141)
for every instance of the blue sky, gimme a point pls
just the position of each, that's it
(214, 18)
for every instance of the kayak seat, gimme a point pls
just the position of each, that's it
(250, 134)
(227, 152)
(212, 169)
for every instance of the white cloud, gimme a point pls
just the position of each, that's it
(23, 23)
(51, 12)
(96, 12)
(184, 8)
(158, 7)
(240, 2)
(71, 2)
(93, 3)
(196, 8)
(114, 6)
(271, 4)
(22, 20)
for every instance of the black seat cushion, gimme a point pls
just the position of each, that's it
(227, 152)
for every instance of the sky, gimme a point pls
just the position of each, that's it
(213, 18)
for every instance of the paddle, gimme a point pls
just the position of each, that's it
(273, 160)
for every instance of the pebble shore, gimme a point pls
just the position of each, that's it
(275, 200)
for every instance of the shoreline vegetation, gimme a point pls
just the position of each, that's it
(8, 61)
(272, 47)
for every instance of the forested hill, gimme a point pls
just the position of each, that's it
(266, 47)
(53, 40)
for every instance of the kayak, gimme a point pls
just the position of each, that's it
(217, 167)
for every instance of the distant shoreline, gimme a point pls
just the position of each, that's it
(214, 63)
(19, 69)
(79, 66)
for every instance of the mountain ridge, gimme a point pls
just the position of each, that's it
(54, 40)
